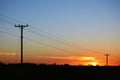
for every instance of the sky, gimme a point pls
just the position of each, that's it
(75, 32)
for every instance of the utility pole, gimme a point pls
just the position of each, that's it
(21, 27)
(107, 59)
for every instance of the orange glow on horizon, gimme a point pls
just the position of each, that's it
(11, 57)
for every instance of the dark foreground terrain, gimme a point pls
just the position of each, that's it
(58, 72)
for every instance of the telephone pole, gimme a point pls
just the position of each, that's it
(21, 27)
(107, 59)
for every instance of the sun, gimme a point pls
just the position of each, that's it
(94, 63)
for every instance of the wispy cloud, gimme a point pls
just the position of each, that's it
(87, 58)
(7, 53)
(78, 58)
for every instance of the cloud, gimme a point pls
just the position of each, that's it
(73, 60)
(87, 58)
(78, 58)
(7, 53)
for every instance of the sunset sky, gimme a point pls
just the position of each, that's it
(75, 32)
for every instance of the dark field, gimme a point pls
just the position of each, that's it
(58, 72)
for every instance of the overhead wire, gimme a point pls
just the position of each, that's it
(15, 20)
(39, 42)
(49, 36)
(49, 46)
(38, 33)
(43, 33)
(46, 36)
(9, 33)
(62, 41)
(5, 21)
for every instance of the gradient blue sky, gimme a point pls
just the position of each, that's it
(93, 24)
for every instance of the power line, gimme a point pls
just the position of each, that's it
(50, 36)
(6, 21)
(9, 33)
(46, 36)
(49, 45)
(43, 34)
(60, 49)
(53, 37)
(57, 39)
(15, 20)
(53, 40)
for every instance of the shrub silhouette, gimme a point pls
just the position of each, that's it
(55, 72)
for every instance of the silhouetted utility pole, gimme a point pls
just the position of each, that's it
(107, 59)
(21, 27)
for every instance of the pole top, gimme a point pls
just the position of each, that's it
(21, 26)
(106, 54)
